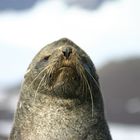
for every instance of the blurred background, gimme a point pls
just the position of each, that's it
(108, 30)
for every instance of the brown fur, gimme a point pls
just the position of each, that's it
(60, 97)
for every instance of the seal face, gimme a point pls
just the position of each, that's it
(60, 67)
(60, 97)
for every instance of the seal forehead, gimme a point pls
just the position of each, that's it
(56, 45)
(55, 49)
(60, 44)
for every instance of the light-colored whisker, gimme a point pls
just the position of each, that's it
(93, 79)
(84, 87)
(39, 86)
(38, 76)
(90, 93)
(88, 86)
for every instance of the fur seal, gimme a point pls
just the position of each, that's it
(60, 97)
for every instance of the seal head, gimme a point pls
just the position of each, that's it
(62, 69)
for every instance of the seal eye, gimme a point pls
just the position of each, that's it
(46, 58)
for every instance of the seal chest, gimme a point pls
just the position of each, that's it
(60, 98)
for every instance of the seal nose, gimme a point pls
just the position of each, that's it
(67, 51)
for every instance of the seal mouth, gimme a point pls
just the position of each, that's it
(67, 67)
(66, 71)
(65, 74)
(66, 81)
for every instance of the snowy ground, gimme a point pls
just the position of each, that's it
(125, 132)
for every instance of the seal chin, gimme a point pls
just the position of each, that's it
(66, 68)
(66, 82)
(66, 74)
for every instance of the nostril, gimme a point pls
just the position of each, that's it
(67, 51)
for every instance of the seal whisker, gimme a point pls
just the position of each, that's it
(39, 86)
(87, 83)
(37, 76)
(84, 87)
(89, 92)
(93, 79)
